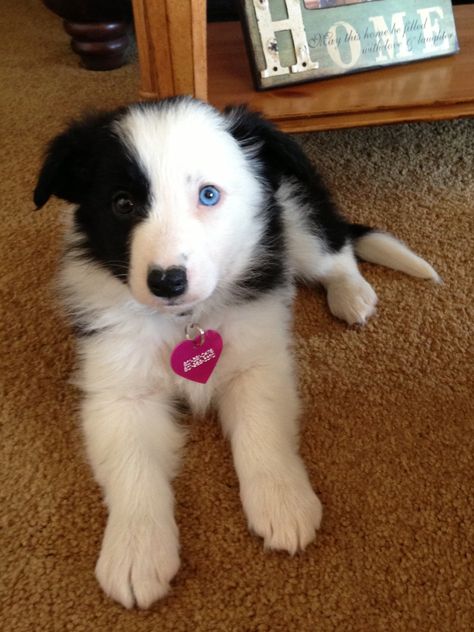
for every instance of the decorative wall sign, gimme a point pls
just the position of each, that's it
(292, 41)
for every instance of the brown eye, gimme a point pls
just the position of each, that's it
(123, 203)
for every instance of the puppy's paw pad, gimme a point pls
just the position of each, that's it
(285, 512)
(137, 564)
(352, 299)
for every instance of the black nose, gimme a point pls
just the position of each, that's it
(167, 283)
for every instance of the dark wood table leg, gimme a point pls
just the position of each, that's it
(101, 45)
(100, 30)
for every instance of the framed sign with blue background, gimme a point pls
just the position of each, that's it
(294, 41)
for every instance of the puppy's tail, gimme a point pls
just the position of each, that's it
(378, 247)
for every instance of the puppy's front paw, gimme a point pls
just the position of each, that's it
(284, 511)
(137, 561)
(352, 299)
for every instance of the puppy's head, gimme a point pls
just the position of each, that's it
(166, 198)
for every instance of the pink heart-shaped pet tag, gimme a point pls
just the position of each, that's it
(196, 359)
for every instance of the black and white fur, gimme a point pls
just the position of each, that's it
(274, 223)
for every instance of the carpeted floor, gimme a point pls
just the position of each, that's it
(387, 425)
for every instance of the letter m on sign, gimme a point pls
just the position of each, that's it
(268, 28)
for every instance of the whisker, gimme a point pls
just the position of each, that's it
(117, 264)
(120, 268)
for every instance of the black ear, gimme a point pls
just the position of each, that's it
(70, 162)
(278, 157)
(278, 153)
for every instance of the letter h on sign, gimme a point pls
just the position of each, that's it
(268, 28)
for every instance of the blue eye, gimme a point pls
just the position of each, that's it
(209, 195)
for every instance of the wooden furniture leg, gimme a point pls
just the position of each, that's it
(99, 30)
(100, 45)
(171, 41)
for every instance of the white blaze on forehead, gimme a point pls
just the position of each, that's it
(181, 147)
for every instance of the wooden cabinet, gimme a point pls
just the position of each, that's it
(180, 54)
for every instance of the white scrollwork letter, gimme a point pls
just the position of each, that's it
(268, 27)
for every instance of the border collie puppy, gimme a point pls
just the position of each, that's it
(188, 229)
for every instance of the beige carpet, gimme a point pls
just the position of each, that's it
(387, 427)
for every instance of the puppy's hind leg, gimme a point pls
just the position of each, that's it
(350, 297)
